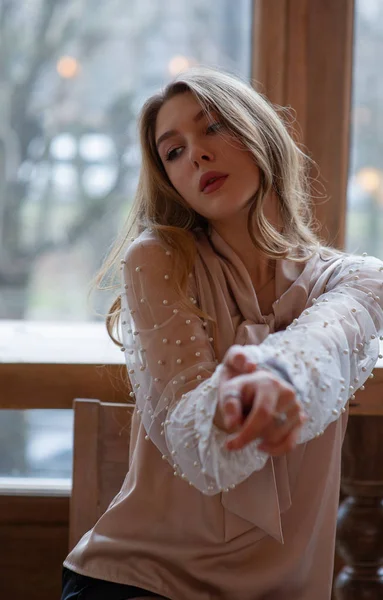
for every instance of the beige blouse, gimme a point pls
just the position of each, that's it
(192, 519)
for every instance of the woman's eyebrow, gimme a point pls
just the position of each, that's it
(172, 132)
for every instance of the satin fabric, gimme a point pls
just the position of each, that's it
(270, 538)
(233, 300)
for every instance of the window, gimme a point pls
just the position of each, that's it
(365, 189)
(73, 76)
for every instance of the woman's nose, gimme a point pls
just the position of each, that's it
(199, 154)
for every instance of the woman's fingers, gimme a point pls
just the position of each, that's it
(261, 412)
(249, 404)
(235, 358)
(231, 409)
(288, 406)
(232, 404)
(286, 444)
(274, 435)
(232, 412)
(286, 441)
(268, 396)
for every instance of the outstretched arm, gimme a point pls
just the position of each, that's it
(332, 348)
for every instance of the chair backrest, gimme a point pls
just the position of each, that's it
(100, 461)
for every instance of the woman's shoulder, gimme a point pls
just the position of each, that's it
(323, 262)
(328, 253)
(328, 256)
(147, 236)
(339, 265)
(147, 245)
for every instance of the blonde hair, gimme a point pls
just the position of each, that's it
(252, 119)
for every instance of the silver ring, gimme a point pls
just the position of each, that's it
(280, 418)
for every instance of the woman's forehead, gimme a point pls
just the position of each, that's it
(182, 109)
(178, 107)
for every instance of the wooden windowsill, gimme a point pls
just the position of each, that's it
(52, 342)
(35, 486)
(48, 365)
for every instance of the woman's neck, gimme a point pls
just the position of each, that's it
(235, 233)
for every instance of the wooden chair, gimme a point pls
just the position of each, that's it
(100, 461)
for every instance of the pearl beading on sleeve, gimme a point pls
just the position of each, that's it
(332, 348)
(177, 403)
(174, 375)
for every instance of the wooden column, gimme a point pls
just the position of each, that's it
(360, 520)
(302, 57)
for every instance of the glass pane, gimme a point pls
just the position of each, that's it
(365, 188)
(73, 76)
(36, 444)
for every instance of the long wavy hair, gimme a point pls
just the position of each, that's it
(263, 129)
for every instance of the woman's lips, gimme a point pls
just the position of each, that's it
(212, 187)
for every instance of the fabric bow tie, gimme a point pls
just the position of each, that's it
(263, 496)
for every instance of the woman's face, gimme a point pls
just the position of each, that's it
(214, 173)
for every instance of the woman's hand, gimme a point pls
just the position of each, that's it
(249, 405)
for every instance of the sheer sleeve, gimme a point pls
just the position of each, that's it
(174, 374)
(331, 349)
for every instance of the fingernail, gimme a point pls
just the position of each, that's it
(228, 421)
(239, 362)
(230, 407)
(235, 446)
(230, 416)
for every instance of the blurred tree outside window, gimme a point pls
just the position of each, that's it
(73, 77)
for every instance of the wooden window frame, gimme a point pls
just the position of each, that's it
(303, 58)
(292, 41)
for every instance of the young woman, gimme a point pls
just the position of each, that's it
(244, 338)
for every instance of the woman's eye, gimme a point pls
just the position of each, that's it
(213, 127)
(172, 154)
